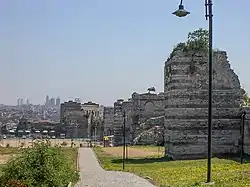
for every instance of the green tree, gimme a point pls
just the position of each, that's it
(39, 166)
(246, 100)
(198, 40)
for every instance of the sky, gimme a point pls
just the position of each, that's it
(103, 50)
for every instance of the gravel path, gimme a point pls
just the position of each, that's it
(93, 175)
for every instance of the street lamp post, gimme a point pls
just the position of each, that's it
(243, 116)
(124, 144)
(181, 12)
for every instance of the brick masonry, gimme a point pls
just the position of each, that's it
(186, 106)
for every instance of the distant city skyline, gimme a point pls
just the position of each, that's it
(101, 51)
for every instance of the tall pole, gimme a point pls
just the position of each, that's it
(210, 88)
(124, 145)
(242, 136)
(126, 151)
(95, 136)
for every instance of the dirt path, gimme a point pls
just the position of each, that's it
(133, 152)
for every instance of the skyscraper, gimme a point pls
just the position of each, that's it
(21, 102)
(18, 101)
(47, 100)
(58, 102)
(52, 101)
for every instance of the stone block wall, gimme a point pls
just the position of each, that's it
(247, 130)
(127, 108)
(145, 106)
(118, 122)
(186, 106)
(118, 128)
(108, 121)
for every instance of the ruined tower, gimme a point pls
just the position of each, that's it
(186, 105)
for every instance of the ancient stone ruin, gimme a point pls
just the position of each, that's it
(144, 119)
(178, 117)
(118, 122)
(108, 120)
(147, 113)
(186, 105)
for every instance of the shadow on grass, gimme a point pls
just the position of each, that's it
(235, 157)
(141, 160)
(246, 159)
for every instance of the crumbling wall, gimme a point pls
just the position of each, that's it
(108, 121)
(247, 130)
(186, 105)
(144, 107)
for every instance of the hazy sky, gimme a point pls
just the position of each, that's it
(102, 50)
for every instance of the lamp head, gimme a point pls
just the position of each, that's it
(181, 12)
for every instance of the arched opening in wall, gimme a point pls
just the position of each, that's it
(149, 107)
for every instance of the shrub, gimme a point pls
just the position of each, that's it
(22, 144)
(16, 183)
(64, 143)
(39, 166)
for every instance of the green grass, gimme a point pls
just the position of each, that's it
(225, 173)
(72, 154)
(8, 150)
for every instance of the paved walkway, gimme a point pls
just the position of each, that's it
(93, 175)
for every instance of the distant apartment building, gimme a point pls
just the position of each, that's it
(18, 102)
(73, 118)
(101, 110)
(52, 102)
(47, 100)
(68, 106)
(91, 108)
(21, 102)
(58, 101)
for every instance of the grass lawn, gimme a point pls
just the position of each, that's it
(72, 154)
(8, 150)
(225, 173)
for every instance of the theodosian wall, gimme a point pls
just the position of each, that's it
(186, 106)
(108, 121)
(145, 106)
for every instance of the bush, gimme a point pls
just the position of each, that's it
(39, 166)
(64, 143)
(22, 144)
(16, 183)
